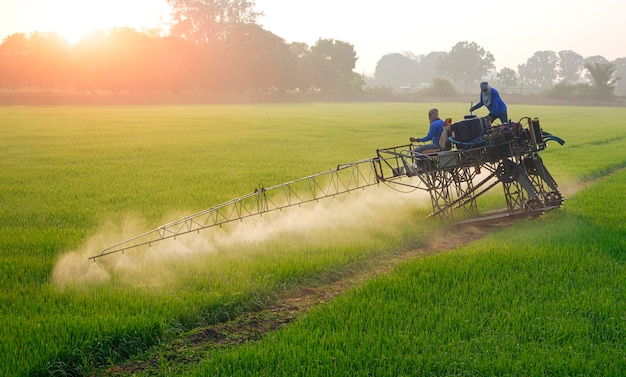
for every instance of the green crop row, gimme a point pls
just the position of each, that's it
(76, 179)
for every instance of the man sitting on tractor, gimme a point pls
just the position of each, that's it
(434, 133)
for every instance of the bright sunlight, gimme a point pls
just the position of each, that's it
(72, 19)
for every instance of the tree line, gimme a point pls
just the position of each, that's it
(564, 74)
(250, 59)
(213, 45)
(217, 46)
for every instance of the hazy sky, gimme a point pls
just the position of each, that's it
(511, 30)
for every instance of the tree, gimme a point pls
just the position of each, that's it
(395, 70)
(259, 60)
(603, 74)
(49, 60)
(440, 87)
(570, 66)
(620, 74)
(466, 62)
(208, 21)
(89, 57)
(507, 78)
(298, 49)
(591, 60)
(329, 66)
(540, 69)
(13, 55)
(428, 66)
(128, 61)
(176, 64)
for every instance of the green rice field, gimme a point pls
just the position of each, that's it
(541, 297)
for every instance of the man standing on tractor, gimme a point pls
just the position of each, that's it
(490, 98)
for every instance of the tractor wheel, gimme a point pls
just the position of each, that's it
(554, 198)
(534, 204)
(507, 172)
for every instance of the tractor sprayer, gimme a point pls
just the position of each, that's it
(474, 157)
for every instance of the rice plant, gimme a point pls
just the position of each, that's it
(75, 179)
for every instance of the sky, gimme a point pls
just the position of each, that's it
(511, 30)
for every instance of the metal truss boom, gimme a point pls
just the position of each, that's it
(343, 179)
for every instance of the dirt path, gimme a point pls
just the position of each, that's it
(199, 343)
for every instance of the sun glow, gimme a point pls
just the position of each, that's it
(72, 19)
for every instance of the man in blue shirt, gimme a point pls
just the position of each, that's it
(434, 132)
(490, 98)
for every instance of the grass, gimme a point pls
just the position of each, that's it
(69, 171)
(73, 177)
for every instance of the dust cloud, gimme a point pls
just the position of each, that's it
(346, 216)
